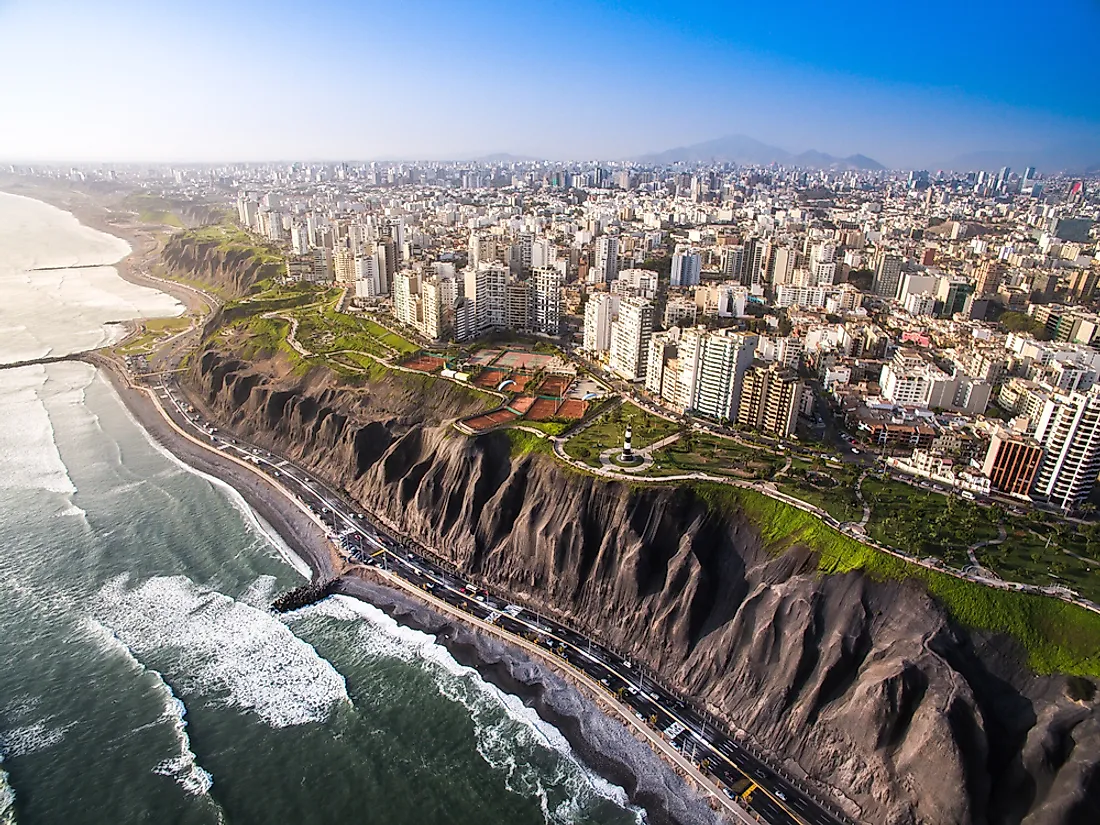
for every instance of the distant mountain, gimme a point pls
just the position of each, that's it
(747, 151)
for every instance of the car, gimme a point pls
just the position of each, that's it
(780, 795)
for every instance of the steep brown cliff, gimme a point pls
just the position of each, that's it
(865, 687)
(233, 269)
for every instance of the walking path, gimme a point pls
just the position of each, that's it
(1001, 536)
(607, 457)
(856, 531)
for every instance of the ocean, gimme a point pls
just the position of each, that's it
(142, 677)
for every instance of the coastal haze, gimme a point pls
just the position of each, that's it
(145, 678)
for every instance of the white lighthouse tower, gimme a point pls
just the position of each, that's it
(628, 452)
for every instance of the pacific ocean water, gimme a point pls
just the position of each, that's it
(142, 678)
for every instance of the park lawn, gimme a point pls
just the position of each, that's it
(164, 326)
(609, 429)
(1025, 556)
(924, 523)
(839, 502)
(548, 427)
(696, 452)
(389, 338)
(323, 330)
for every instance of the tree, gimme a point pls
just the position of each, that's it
(1022, 322)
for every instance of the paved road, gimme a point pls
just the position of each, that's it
(362, 540)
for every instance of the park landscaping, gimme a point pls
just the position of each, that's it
(704, 453)
(609, 429)
(827, 485)
(925, 523)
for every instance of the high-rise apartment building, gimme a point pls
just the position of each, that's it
(887, 279)
(769, 399)
(599, 312)
(781, 265)
(757, 253)
(733, 262)
(711, 366)
(487, 287)
(989, 277)
(483, 248)
(1011, 463)
(519, 303)
(605, 264)
(630, 334)
(686, 267)
(1069, 433)
(549, 281)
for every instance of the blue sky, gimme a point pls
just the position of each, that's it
(909, 84)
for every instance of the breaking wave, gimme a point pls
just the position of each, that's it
(32, 738)
(230, 651)
(28, 448)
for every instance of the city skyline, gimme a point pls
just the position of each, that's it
(579, 81)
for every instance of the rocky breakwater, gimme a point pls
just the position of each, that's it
(865, 687)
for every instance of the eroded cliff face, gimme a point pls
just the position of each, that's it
(865, 687)
(234, 270)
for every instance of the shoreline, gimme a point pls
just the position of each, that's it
(601, 741)
(604, 744)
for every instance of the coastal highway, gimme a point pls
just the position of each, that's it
(770, 796)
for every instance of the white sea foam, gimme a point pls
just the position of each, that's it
(54, 311)
(183, 765)
(32, 738)
(260, 593)
(7, 798)
(29, 458)
(228, 650)
(507, 730)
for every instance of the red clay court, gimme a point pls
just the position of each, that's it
(572, 409)
(523, 403)
(480, 423)
(544, 409)
(425, 363)
(555, 385)
(489, 378)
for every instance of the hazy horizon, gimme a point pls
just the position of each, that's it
(123, 82)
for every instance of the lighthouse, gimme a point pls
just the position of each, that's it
(628, 452)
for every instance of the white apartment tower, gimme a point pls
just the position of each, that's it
(605, 266)
(720, 367)
(599, 312)
(686, 267)
(630, 335)
(487, 287)
(1069, 433)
